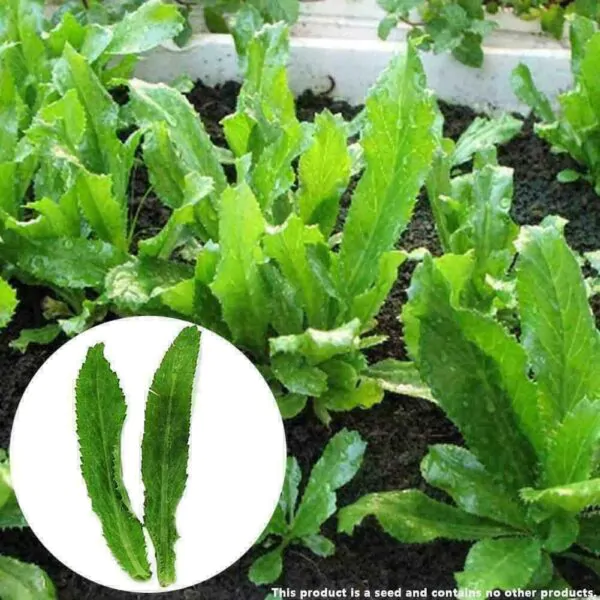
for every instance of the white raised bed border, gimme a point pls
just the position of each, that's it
(338, 39)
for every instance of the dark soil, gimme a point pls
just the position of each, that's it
(398, 431)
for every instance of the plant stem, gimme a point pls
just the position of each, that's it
(136, 216)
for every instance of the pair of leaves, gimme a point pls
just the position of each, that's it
(101, 412)
(299, 521)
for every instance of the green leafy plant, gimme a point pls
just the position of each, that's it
(525, 487)
(101, 411)
(299, 522)
(575, 128)
(18, 580)
(165, 447)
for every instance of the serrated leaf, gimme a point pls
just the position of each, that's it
(165, 446)
(338, 464)
(105, 215)
(267, 568)
(153, 23)
(23, 581)
(398, 140)
(573, 447)
(71, 263)
(8, 302)
(288, 246)
(238, 283)
(42, 335)
(410, 516)
(131, 286)
(552, 294)
(484, 133)
(367, 305)
(589, 533)
(456, 471)
(525, 90)
(317, 346)
(492, 401)
(324, 173)
(505, 564)
(399, 377)
(572, 498)
(101, 410)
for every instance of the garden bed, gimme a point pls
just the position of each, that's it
(398, 431)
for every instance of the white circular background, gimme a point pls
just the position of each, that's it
(237, 454)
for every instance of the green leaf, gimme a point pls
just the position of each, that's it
(71, 263)
(552, 20)
(367, 305)
(573, 447)
(572, 498)
(568, 176)
(318, 346)
(563, 530)
(8, 302)
(101, 151)
(101, 411)
(165, 447)
(469, 50)
(589, 532)
(238, 283)
(456, 471)
(505, 564)
(105, 215)
(558, 327)
(478, 375)
(399, 377)
(291, 405)
(412, 517)
(525, 90)
(399, 138)
(338, 464)
(10, 513)
(23, 581)
(319, 545)
(43, 335)
(267, 568)
(580, 32)
(324, 173)
(133, 285)
(289, 244)
(153, 23)
(298, 376)
(484, 133)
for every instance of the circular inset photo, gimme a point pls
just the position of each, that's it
(148, 454)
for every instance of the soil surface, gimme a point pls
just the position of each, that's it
(398, 431)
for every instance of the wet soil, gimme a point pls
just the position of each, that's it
(398, 431)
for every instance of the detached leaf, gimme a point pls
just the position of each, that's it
(399, 139)
(165, 447)
(412, 517)
(101, 410)
(23, 581)
(505, 564)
